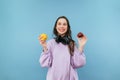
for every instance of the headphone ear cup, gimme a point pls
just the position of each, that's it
(57, 39)
(67, 40)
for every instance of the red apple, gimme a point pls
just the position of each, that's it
(80, 34)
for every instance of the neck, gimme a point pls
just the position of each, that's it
(62, 35)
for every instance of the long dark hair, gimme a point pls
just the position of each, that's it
(71, 42)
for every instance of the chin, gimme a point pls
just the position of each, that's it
(62, 33)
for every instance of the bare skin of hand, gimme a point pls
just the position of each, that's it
(43, 43)
(82, 41)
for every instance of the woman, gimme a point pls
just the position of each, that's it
(60, 54)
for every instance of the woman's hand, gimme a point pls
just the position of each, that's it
(82, 41)
(43, 43)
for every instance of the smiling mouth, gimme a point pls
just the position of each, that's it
(61, 30)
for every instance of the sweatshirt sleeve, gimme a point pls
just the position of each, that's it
(45, 59)
(78, 59)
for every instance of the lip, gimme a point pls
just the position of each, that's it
(61, 30)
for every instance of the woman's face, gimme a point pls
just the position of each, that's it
(61, 26)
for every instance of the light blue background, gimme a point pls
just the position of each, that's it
(21, 21)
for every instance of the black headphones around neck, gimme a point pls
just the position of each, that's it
(65, 40)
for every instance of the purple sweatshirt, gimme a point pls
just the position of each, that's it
(61, 65)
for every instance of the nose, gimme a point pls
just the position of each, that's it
(61, 26)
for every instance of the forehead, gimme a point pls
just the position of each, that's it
(62, 20)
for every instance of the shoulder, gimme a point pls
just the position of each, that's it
(51, 42)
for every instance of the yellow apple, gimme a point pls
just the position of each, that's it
(43, 36)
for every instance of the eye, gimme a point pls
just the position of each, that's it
(64, 24)
(59, 23)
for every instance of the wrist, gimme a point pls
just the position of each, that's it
(81, 48)
(45, 49)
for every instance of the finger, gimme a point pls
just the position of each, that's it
(40, 37)
(79, 38)
(43, 41)
(85, 37)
